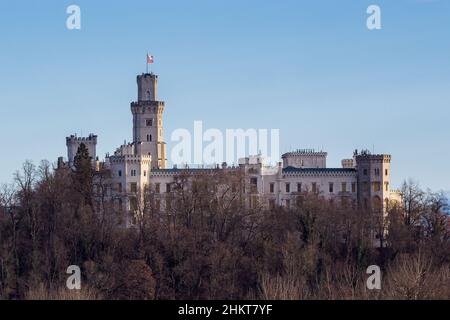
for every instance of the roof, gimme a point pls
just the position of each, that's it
(183, 170)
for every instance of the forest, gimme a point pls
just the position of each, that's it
(207, 244)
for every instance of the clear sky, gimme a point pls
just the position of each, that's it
(310, 68)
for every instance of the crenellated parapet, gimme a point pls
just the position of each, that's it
(130, 159)
(155, 107)
(92, 138)
(380, 158)
(305, 152)
(305, 158)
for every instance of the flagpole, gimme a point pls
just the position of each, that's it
(146, 62)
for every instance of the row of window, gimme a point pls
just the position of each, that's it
(133, 173)
(133, 187)
(158, 187)
(376, 172)
(314, 187)
(253, 203)
(376, 186)
(287, 202)
(149, 136)
(331, 187)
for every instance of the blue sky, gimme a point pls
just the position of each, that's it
(310, 68)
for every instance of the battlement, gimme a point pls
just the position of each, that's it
(304, 152)
(146, 75)
(373, 157)
(144, 158)
(89, 139)
(147, 103)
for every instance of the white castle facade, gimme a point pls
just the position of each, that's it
(364, 179)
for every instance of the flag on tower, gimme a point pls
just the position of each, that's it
(149, 58)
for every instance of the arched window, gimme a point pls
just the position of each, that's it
(377, 204)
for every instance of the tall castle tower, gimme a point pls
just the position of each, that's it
(373, 180)
(148, 121)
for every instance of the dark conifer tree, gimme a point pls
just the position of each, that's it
(83, 174)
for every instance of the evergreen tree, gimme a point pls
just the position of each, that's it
(83, 174)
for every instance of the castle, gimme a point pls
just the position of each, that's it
(363, 179)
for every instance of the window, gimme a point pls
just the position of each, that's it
(157, 187)
(288, 187)
(119, 173)
(344, 187)
(314, 187)
(365, 186)
(272, 187)
(145, 173)
(386, 172)
(299, 187)
(167, 187)
(133, 204)
(377, 171)
(365, 172)
(133, 172)
(253, 185)
(253, 202)
(353, 187)
(376, 186)
(149, 122)
(386, 186)
(149, 137)
(330, 187)
(377, 204)
(133, 187)
(271, 204)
